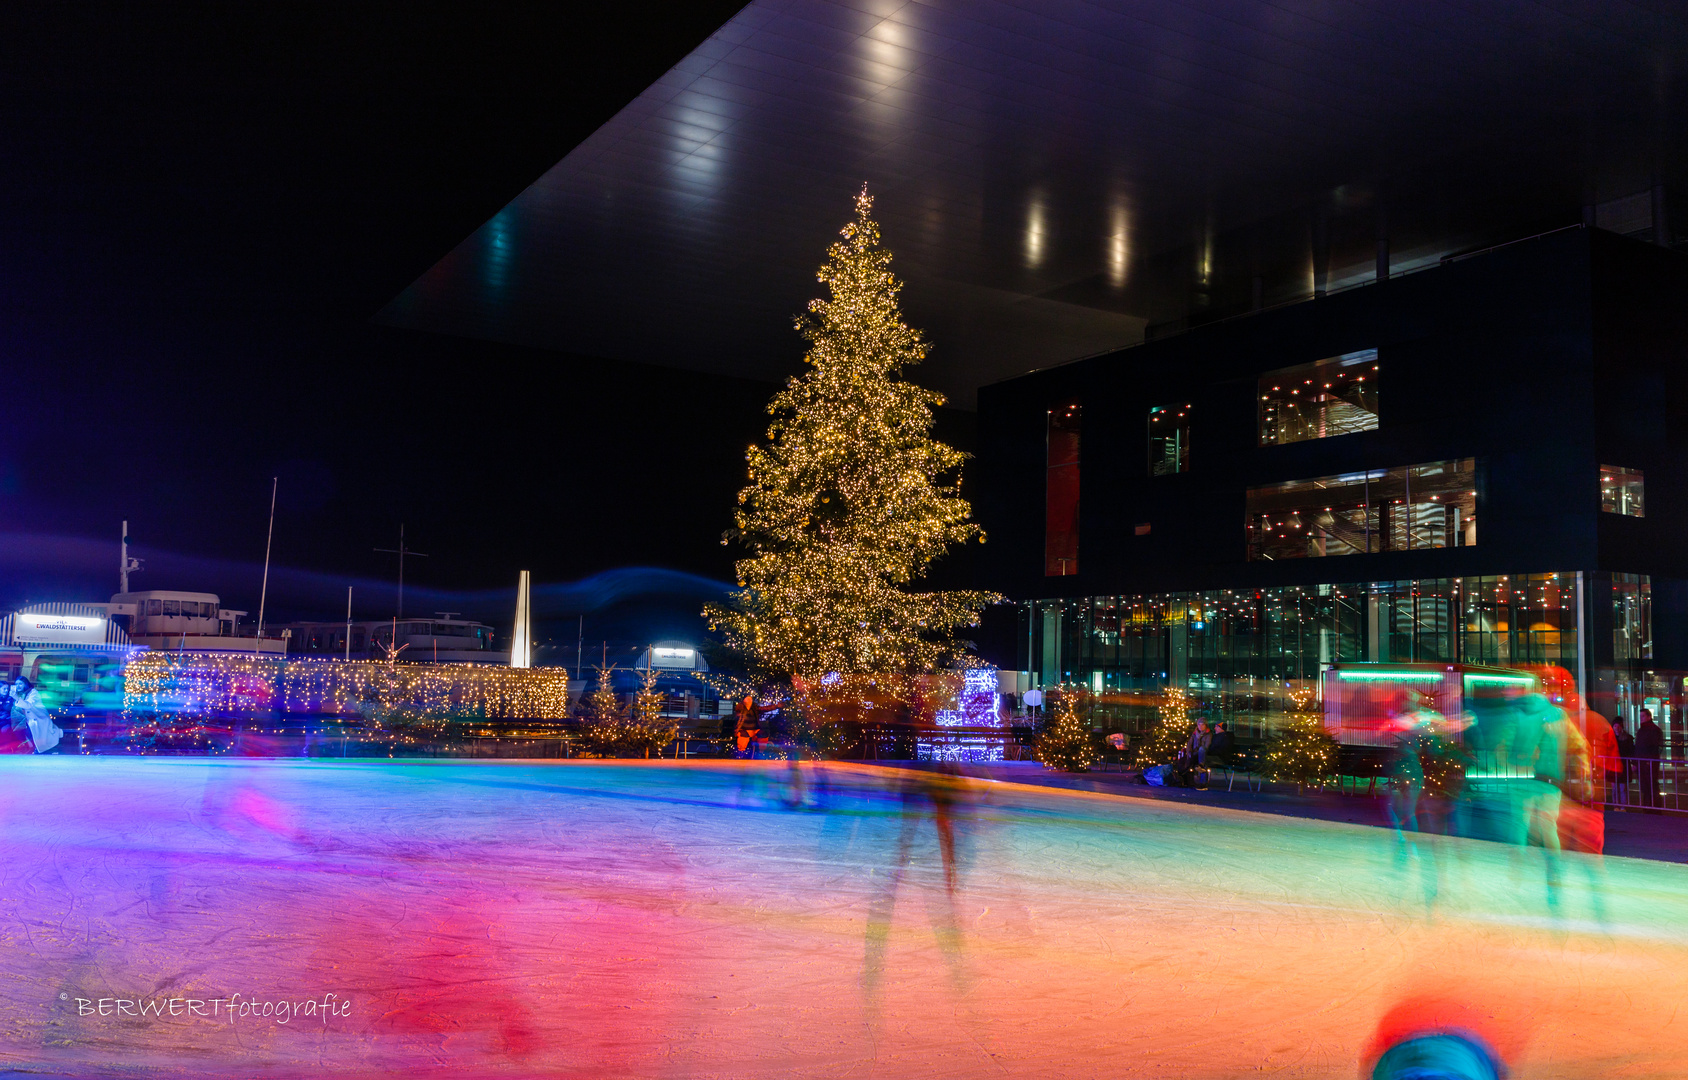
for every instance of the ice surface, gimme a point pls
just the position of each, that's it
(683, 920)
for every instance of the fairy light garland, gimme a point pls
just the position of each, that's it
(383, 693)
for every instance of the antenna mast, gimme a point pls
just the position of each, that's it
(125, 564)
(264, 593)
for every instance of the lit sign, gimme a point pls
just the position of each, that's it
(1397, 676)
(58, 629)
(671, 657)
(1518, 680)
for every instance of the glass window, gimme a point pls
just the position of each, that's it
(154, 607)
(172, 607)
(1330, 397)
(1632, 617)
(1169, 439)
(1060, 523)
(1402, 509)
(1620, 491)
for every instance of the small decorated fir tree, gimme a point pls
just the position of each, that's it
(601, 706)
(609, 729)
(851, 499)
(1303, 752)
(1172, 734)
(646, 728)
(1065, 743)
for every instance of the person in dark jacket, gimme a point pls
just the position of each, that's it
(1219, 750)
(1649, 745)
(1623, 780)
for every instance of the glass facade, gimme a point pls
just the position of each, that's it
(1402, 509)
(1241, 652)
(1060, 523)
(1330, 397)
(1632, 618)
(1169, 439)
(1621, 491)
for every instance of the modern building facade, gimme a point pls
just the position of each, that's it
(1483, 463)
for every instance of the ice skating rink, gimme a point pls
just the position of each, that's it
(646, 919)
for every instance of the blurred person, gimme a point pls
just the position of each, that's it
(1649, 747)
(1410, 722)
(1526, 735)
(14, 737)
(942, 796)
(744, 713)
(29, 713)
(1622, 782)
(1591, 757)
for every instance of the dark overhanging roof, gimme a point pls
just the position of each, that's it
(1057, 176)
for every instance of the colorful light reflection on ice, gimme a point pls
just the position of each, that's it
(771, 919)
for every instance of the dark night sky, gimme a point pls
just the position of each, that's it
(202, 208)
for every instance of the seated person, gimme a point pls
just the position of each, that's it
(1219, 750)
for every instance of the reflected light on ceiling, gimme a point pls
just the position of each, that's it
(1119, 248)
(1037, 231)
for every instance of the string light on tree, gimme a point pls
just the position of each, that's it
(1065, 744)
(1303, 752)
(638, 729)
(1173, 733)
(851, 499)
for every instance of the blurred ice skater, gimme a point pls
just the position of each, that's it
(29, 714)
(943, 796)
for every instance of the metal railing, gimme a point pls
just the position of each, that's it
(1626, 783)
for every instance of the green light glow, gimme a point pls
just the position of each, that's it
(1522, 679)
(1398, 676)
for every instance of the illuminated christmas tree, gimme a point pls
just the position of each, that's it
(601, 706)
(1173, 732)
(1065, 742)
(1303, 752)
(647, 728)
(851, 499)
(638, 729)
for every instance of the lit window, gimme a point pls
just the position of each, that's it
(1169, 439)
(1330, 397)
(1620, 491)
(1402, 509)
(1060, 523)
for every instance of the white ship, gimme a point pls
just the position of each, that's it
(441, 638)
(169, 621)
